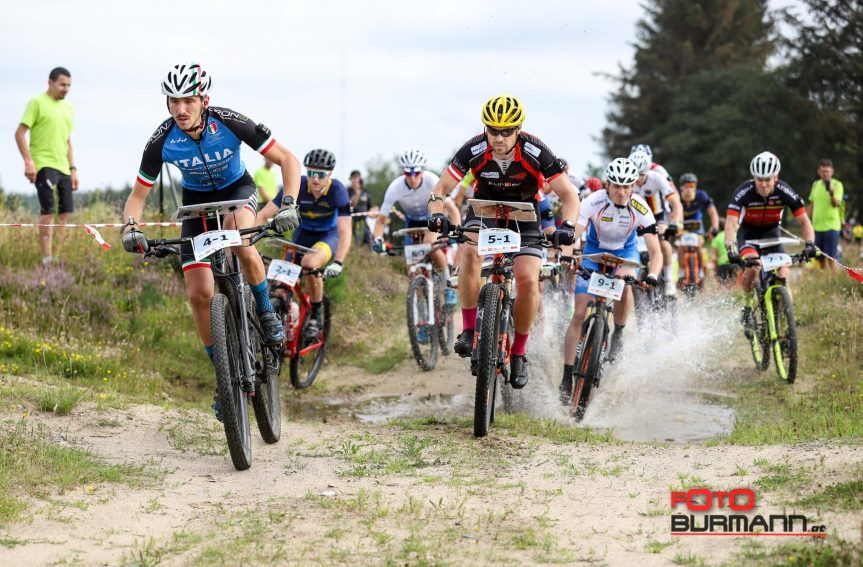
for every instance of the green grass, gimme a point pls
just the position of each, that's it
(32, 466)
(827, 552)
(846, 496)
(61, 400)
(826, 402)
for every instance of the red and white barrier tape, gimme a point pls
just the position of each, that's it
(848, 270)
(96, 225)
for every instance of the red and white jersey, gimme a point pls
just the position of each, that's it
(610, 226)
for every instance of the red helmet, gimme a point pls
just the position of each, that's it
(593, 183)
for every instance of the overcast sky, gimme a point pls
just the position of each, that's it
(364, 79)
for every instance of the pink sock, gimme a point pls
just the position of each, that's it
(518, 344)
(468, 319)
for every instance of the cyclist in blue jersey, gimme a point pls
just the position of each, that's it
(325, 226)
(204, 142)
(695, 201)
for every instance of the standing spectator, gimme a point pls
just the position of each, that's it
(825, 207)
(48, 160)
(360, 203)
(265, 180)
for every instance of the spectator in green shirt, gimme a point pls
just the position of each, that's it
(725, 271)
(265, 180)
(48, 158)
(825, 208)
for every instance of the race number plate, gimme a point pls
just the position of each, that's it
(689, 239)
(642, 245)
(283, 271)
(772, 262)
(605, 286)
(414, 253)
(205, 244)
(498, 241)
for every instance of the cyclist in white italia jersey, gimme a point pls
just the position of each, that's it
(411, 192)
(611, 218)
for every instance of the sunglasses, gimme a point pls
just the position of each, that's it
(413, 172)
(494, 132)
(317, 173)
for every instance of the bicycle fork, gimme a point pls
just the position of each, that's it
(247, 379)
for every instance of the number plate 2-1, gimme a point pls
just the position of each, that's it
(205, 244)
(498, 241)
(605, 286)
(282, 271)
(414, 253)
(771, 262)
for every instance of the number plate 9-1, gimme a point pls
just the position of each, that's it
(605, 286)
(205, 244)
(498, 241)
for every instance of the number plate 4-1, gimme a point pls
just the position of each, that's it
(415, 253)
(205, 244)
(498, 241)
(771, 262)
(605, 286)
(282, 271)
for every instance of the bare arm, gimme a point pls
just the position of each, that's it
(135, 203)
(345, 234)
(730, 230)
(290, 165)
(21, 141)
(570, 204)
(714, 218)
(451, 212)
(442, 188)
(806, 227)
(266, 213)
(74, 171)
(655, 253)
(380, 223)
(676, 208)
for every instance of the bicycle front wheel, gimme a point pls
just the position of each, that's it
(423, 335)
(228, 361)
(490, 301)
(587, 366)
(307, 362)
(759, 340)
(785, 345)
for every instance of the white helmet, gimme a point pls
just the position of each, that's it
(640, 160)
(642, 148)
(621, 171)
(412, 158)
(186, 79)
(764, 165)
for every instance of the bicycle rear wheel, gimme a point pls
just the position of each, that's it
(267, 359)
(490, 300)
(444, 318)
(423, 336)
(307, 362)
(587, 365)
(785, 345)
(691, 285)
(228, 361)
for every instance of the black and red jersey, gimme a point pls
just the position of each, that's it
(755, 210)
(532, 164)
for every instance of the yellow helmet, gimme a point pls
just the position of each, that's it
(503, 111)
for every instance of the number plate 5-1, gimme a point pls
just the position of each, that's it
(605, 286)
(771, 262)
(498, 241)
(205, 244)
(283, 271)
(414, 253)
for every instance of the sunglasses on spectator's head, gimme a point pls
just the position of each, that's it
(495, 132)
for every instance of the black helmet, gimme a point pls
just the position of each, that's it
(320, 159)
(688, 178)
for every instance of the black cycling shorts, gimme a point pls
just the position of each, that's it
(243, 188)
(47, 180)
(746, 232)
(529, 231)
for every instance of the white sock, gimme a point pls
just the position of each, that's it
(666, 273)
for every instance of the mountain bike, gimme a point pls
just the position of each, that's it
(650, 301)
(292, 304)
(495, 327)
(690, 280)
(431, 325)
(606, 289)
(246, 368)
(769, 323)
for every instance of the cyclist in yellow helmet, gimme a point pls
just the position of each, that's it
(509, 165)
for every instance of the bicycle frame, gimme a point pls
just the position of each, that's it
(292, 343)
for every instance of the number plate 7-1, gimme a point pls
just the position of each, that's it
(498, 241)
(205, 244)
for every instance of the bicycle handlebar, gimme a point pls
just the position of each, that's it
(162, 247)
(750, 262)
(458, 233)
